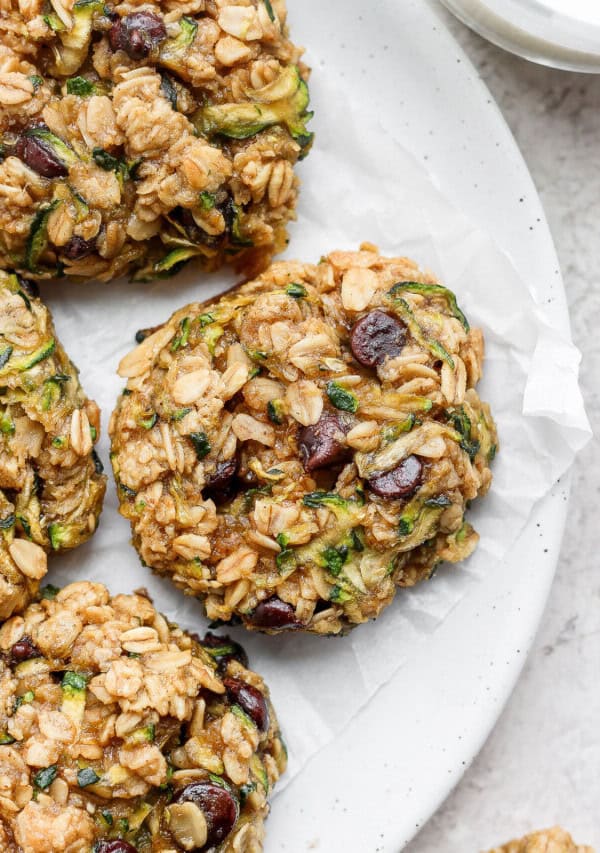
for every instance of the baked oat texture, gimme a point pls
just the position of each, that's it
(123, 733)
(135, 137)
(554, 840)
(51, 481)
(297, 449)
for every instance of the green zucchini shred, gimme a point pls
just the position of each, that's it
(286, 561)
(183, 337)
(276, 411)
(433, 290)
(59, 148)
(7, 425)
(244, 791)
(205, 320)
(45, 777)
(462, 424)
(48, 592)
(334, 559)
(172, 50)
(8, 521)
(201, 444)
(338, 595)
(25, 699)
(243, 717)
(106, 818)
(25, 525)
(54, 22)
(356, 536)
(29, 361)
(391, 433)
(438, 501)
(63, 535)
(319, 499)
(288, 108)
(53, 389)
(211, 335)
(74, 682)
(296, 291)
(37, 241)
(145, 734)
(87, 776)
(169, 266)
(148, 422)
(419, 524)
(75, 41)
(402, 307)
(207, 200)
(180, 414)
(81, 87)
(109, 163)
(5, 355)
(341, 398)
(168, 88)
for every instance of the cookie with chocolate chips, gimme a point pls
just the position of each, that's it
(135, 139)
(298, 449)
(122, 733)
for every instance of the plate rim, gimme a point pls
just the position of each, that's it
(552, 509)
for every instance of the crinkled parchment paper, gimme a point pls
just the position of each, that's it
(530, 379)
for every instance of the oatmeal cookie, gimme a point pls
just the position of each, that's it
(51, 482)
(135, 137)
(299, 448)
(122, 733)
(554, 840)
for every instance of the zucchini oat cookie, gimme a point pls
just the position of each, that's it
(554, 840)
(51, 485)
(302, 446)
(122, 733)
(136, 136)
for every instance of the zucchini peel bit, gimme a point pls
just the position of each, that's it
(432, 290)
(76, 36)
(403, 309)
(173, 49)
(37, 242)
(167, 266)
(283, 102)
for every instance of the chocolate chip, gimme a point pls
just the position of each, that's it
(276, 614)
(24, 649)
(219, 806)
(400, 482)
(376, 336)
(29, 287)
(220, 486)
(137, 34)
(78, 248)
(250, 700)
(116, 846)
(39, 156)
(322, 444)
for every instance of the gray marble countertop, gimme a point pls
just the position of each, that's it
(541, 765)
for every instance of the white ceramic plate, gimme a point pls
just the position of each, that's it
(395, 763)
(400, 756)
(561, 33)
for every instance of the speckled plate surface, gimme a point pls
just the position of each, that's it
(379, 783)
